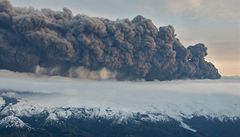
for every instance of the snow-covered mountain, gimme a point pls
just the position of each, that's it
(200, 108)
(12, 122)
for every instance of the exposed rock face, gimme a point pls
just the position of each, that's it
(133, 49)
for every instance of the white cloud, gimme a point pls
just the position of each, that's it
(170, 97)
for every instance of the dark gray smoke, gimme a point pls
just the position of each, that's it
(132, 49)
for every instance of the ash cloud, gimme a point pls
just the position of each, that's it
(132, 49)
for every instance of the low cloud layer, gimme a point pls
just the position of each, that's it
(59, 43)
(188, 96)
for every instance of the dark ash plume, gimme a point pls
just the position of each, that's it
(132, 49)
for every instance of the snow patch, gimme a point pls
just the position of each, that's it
(52, 117)
(2, 101)
(22, 108)
(12, 122)
(184, 125)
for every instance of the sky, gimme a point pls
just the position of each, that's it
(216, 23)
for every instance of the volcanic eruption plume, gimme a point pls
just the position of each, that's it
(61, 43)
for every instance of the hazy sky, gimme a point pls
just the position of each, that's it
(213, 22)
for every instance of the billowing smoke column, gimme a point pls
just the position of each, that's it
(131, 49)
